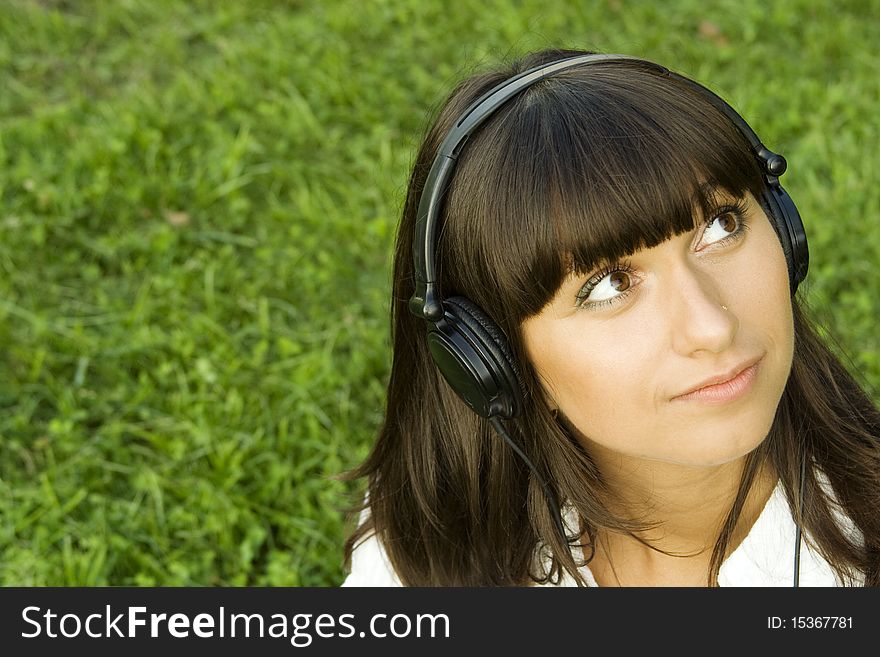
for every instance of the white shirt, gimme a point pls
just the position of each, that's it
(764, 558)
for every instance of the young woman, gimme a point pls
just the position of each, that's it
(601, 372)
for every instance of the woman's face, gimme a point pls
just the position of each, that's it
(615, 371)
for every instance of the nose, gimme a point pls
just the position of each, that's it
(698, 320)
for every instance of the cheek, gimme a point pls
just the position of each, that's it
(603, 390)
(764, 302)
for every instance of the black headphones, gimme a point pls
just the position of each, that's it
(470, 350)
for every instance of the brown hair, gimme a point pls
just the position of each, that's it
(592, 163)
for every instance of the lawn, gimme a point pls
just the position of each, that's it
(198, 202)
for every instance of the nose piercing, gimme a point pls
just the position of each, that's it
(725, 307)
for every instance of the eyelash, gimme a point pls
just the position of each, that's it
(737, 209)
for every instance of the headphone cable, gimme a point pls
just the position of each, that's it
(550, 497)
(797, 535)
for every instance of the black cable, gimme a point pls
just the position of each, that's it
(800, 512)
(551, 499)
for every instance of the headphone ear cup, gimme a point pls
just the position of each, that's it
(474, 357)
(789, 227)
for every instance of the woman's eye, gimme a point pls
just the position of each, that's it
(608, 286)
(728, 223)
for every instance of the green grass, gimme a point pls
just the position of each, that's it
(197, 207)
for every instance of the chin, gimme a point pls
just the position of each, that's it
(723, 451)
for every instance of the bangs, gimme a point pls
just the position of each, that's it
(579, 170)
(630, 186)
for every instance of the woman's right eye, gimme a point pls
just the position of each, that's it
(610, 285)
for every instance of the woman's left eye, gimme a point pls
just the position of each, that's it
(727, 224)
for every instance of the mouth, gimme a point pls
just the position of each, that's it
(725, 391)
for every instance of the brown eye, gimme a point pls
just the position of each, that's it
(728, 222)
(620, 281)
(727, 225)
(610, 285)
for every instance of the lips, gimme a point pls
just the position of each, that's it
(724, 377)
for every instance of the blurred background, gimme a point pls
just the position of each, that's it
(198, 202)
